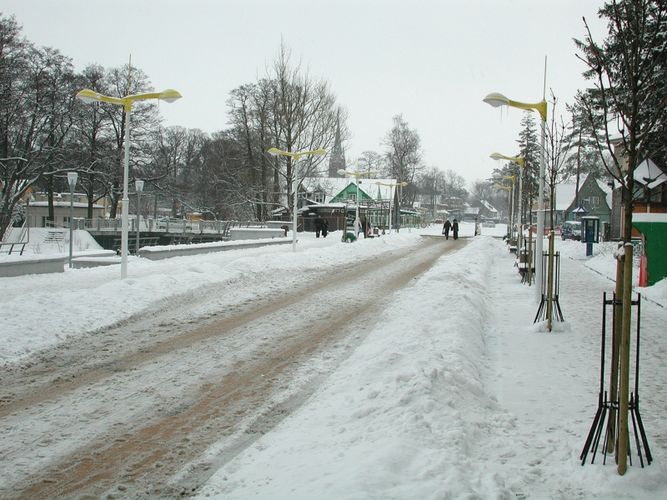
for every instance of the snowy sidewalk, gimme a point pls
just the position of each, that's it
(457, 394)
(549, 382)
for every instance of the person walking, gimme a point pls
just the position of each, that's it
(446, 228)
(325, 228)
(318, 225)
(455, 229)
(364, 226)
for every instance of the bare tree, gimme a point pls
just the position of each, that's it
(403, 155)
(370, 162)
(123, 81)
(305, 116)
(91, 139)
(290, 111)
(629, 89)
(557, 146)
(36, 99)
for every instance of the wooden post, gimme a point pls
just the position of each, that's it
(615, 341)
(624, 359)
(550, 282)
(530, 258)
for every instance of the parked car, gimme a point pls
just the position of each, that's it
(571, 230)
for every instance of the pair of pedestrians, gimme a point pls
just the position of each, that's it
(454, 227)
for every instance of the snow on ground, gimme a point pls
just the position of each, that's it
(454, 394)
(87, 300)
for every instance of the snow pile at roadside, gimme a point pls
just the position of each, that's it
(407, 405)
(603, 262)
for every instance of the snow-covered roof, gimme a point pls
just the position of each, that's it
(607, 191)
(566, 191)
(76, 204)
(331, 186)
(488, 206)
(649, 174)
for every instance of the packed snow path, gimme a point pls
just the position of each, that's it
(150, 396)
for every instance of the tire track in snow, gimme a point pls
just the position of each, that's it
(239, 396)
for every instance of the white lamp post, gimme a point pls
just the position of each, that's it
(296, 156)
(521, 162)
(495, 99)
(87, 95)
(139, 187)
(71, 179)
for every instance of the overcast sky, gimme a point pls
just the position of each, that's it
(431, 60)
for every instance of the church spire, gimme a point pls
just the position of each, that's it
(337, 159)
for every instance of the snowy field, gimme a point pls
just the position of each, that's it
(455, 393)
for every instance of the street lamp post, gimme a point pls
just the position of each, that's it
(521, 162)
(393, 187)
(495, 99)
(71, 179)
(87, 95)
(296, 156)
(511, 192)
(139, 187)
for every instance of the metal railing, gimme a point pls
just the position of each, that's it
(173, 226)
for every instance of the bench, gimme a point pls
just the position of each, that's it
(12, 245)
(239, 233)
(144, 241)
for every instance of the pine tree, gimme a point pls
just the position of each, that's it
(629, 89)
(529, 148)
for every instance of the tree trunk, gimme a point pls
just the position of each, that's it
(49, 193)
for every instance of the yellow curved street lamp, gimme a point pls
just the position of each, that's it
(521, 162)
(496, 99)
(87, 95)
(296, 156)
(392, 185)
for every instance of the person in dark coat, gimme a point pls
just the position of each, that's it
(455, 229)
(318, 225)
(446, 228)
(325, 228)
(364, 226)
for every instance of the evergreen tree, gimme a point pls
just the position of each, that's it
(529, 148)
(629, 89)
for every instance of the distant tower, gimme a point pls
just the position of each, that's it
(337, 160)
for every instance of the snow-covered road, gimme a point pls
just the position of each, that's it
(150, 395)
(388, 368)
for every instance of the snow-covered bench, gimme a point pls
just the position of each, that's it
(255, 233)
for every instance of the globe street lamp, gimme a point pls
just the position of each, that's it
(495, 99)
(71, 180)
(521, 162)
(296, 156)
(139, 187)
(87, 95)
